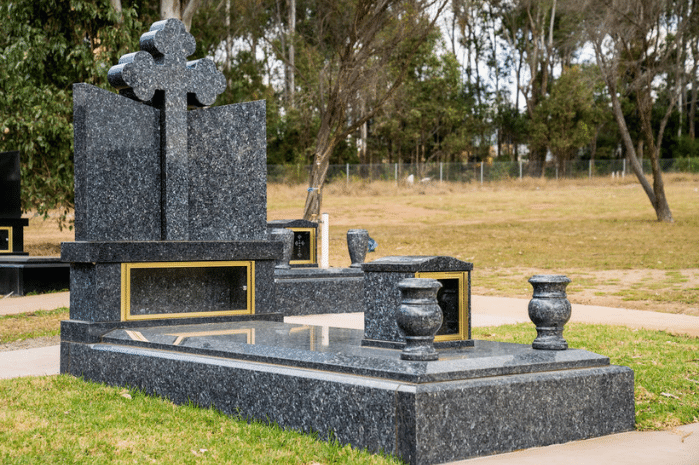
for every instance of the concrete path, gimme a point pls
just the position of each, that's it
(14, 305)
(30, 362)
(679, 446)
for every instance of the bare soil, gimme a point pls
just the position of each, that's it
(31, 343)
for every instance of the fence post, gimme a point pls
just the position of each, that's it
(520, 170)
(556, 172)
(440, 172)
(481, 172)
(347, 168)
(590, 174)
(623, 170)
(395, 167)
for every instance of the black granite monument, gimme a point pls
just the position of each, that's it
(170, 204)
(174, 294)
(20, 273)
(11, 222)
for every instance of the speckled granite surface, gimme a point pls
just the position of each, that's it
(305, 250)
(382, 297)
(311, 291)
(493, 397)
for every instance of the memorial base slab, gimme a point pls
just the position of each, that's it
(486, 399)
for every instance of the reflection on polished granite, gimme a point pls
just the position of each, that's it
(339, 350)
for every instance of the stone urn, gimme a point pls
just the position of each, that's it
(286, 237)
(357, 244)
(419, 318)
(550, 310)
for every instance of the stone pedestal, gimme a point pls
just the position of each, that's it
(304, 253)
(382, 298)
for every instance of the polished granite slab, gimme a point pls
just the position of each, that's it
(338, 350)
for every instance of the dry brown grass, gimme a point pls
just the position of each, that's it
(601, 232)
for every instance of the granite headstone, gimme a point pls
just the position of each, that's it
(11, 222)
(165, 197)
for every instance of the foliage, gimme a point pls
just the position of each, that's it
(564, 121)
(45, 47)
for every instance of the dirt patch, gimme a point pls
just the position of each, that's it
(652, 290)
(31, 343)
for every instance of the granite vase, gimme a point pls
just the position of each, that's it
(549, 310)
(419, 318)
(357, 244)
(286, 237)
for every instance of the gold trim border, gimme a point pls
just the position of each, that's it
(313, 260)
(462, 276)
(126, 289)
(10, 245)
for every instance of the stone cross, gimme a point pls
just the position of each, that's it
(160, 76)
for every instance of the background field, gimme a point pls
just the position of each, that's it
(601, 233)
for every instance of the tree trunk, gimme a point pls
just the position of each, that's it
(116, 4)
(183, 11)
(170, 9)
(693, 103)
(292, 51)
(659, 202)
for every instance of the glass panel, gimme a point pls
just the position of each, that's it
(302, 246)
(5, 245)
(448, 299)
(168, 290)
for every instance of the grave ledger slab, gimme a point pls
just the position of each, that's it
(489, 398)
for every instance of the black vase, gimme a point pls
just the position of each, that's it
(419, 318)
(550, 310)
(286, 237)
(357, 245)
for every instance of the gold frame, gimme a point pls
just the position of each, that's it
(126, 289)
(462, 276)
(10, 245)
(314, 259)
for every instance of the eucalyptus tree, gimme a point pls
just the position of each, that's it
(639, 45)
(357, 45)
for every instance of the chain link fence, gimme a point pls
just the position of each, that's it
(471, 172)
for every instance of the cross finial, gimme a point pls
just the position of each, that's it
(160, 75)
(162, 66)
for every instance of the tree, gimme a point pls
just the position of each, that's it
(362, 44)
(45, 47)
(565, 121)
(635, 43)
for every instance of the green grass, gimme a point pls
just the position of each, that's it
(666, 367)
(30, 325)
(61, 419)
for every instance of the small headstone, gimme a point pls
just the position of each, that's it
(305, 248)
(11, 222)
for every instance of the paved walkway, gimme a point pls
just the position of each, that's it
(679, 446)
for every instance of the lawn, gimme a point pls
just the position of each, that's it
(602, 234)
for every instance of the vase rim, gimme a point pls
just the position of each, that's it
(549, 278)
(419, 283)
